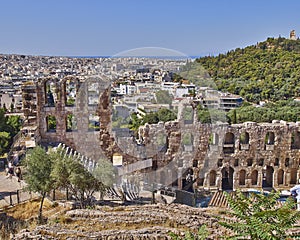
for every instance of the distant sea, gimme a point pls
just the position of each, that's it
(160, 57)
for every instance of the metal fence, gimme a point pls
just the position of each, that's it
(15, 197)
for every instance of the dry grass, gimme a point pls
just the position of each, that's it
(28, 210)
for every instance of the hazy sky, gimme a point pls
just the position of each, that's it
(107, 27)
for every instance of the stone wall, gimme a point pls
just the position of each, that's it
(217, 156)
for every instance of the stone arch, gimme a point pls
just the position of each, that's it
(280, 177)
(254, 177)
(161, 140)
(71, 87)
(212, 178)
(270, 138)
(244, 141)
(269, 141)
(188, 114)
(268, 177)
(187, 141)
(260, 162)
(51, 92)
(227, 178)
(93, 92)
(293, 176)
(242, 177)
(195, 163)
(288, 162)
(94, 122)
(229, 138)
(51, 123)
(236, 162)
(244, 138)
(214, 139)
(229, 141)
(249, 162)
(71, 123)
(295, 140)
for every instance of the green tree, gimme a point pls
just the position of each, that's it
(165, 115)
(104, 173)
(4, 142)
(134, 122)
(69, 173)
(14, 123)
(38, 174)
(260, 217)
(83, 184)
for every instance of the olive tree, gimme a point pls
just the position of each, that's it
(69, 173)
(38, 177)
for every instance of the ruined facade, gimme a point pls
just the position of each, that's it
(215, 156)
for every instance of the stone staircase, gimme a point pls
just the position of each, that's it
(219, 200)
(129, 191)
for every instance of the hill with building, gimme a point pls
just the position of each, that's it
(266, 71)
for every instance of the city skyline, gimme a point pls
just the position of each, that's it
(107, 28)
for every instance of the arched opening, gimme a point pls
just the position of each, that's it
(212, 178)
(270, 138)
(51, 90)
(93, 93)
(276, 162)
(51, 123)
(268, 177)
(227, 178)
(94, 122)
(244, 141)
(288, 162)
(229, 138)
(236, 162)
(71, 123)
(195, 163)
(161, 142)
(293, 176)
(269, 141)
(187, 142)
(71, 88)
(188, 115)
(187, 181)
(242, 177)
(244, 138)
(214, 139)
(228, 143)
(280, 177)
(254, 177)
(249, 162)
(295, 141)
(260, 162)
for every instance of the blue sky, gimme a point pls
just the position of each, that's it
(107, 27)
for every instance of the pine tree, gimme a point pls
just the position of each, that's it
(260, 216)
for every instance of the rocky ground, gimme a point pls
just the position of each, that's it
(126, 222)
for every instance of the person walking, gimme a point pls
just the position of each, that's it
(18, 173)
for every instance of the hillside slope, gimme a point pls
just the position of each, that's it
(269, 70)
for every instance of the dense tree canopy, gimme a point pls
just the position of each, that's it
(259, 216)
(9, 127)
(162, 115)
(269, 70)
